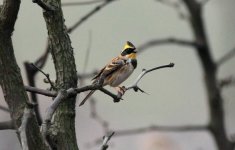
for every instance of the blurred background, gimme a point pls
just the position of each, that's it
(177, 96)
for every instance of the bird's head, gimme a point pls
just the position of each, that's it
(129, 51)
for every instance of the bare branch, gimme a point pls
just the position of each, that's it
(82, 3)
(106, 140)
(31, 73)
(226, 57)
(7, 125)
(128, 132)
(49, 113)
(144, 72)
(229, 81)
(74, 91)
(46, 75)
(166, 41)
(40, 91)
(4, 109)
(23, 128)
(91, 13)
(43, 5)
(40, 62)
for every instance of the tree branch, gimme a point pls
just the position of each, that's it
(229, 81)
(106, 140)
(31, 73)
(116, 98)
(46, 75)
(23, 128)
(7, 125)
(129, 132)
(49, 113)
(144, 72)
(88, 15)
(43, 5)
(226, 57)
(158, 42)
(40, 91)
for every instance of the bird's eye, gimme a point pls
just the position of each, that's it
(129, 50)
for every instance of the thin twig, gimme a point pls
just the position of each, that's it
(166, 41)
(88, 15)
(46, 75)
(144, 72)
(226, 57)
(106, 140)
(4, 109)
(81, 3)
(229, 81)
(7, 125)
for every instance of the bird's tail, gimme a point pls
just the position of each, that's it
(86, 98)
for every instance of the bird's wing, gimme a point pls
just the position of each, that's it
(111, 67)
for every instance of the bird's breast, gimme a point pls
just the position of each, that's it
(121, 75)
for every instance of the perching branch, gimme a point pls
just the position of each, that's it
(116, 98)
(92, 12)
(7, 125)
(144, 72)
(167, 41)
(106, 140)
(226, 57)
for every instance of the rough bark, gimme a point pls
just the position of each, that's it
(10, 76)
(215, 100)
(62, 131)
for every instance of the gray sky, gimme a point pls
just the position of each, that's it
(177, 96)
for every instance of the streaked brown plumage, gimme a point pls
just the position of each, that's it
(117, 70)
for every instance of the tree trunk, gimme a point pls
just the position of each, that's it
(215, 99)
(10, 76)
(62, 131)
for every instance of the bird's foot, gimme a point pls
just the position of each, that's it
(121, 90)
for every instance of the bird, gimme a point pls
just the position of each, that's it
(116, 71)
